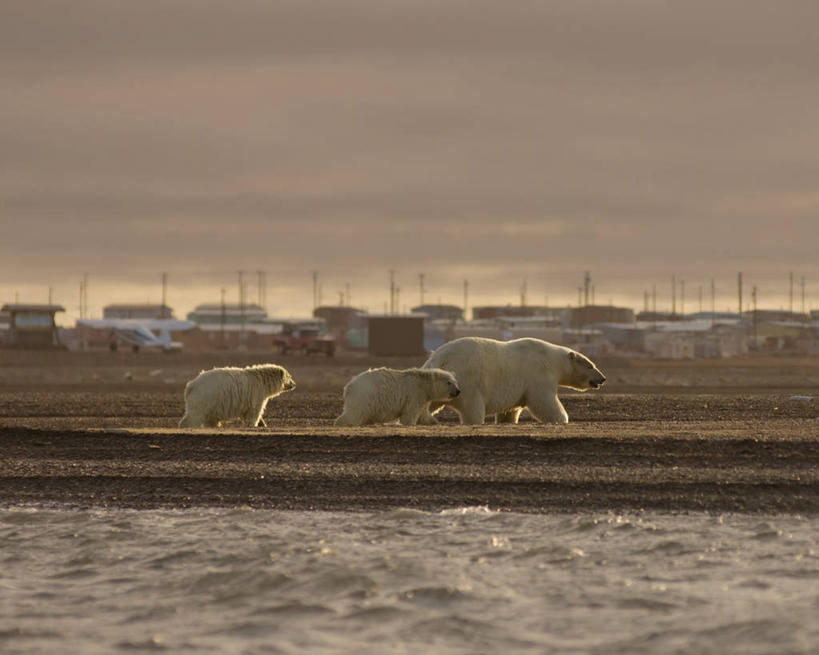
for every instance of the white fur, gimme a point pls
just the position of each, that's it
(383, 395)
(225, 393)
(502, 378)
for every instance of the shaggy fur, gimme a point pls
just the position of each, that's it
(503, 378)
(383, 395)
(226, 393)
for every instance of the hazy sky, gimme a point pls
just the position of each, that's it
(494, 141)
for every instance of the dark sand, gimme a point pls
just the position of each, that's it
(99, 429)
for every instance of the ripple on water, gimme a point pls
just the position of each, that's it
(461, 580)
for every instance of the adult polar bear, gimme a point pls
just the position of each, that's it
(503, 377)
(224, 393)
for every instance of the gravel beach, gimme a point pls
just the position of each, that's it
(86, 430)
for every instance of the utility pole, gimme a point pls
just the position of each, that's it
(673, 295)
(242, 306)
(802, 284)
(392, 292)
(586, 284)
(222, 319)
(523, 294)
(162, 311)
(713, 297)
(790, 295)
(682, 297)
(645, 300)
(262, 289)
(739, 291)
(753, 300)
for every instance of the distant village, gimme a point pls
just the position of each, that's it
(593, 329)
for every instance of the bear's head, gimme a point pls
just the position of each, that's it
(273, 377)
(444, 385)
(583, 374)
(288, 384)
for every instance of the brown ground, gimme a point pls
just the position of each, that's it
(99, 430)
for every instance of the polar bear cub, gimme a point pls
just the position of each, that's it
(383, 395)
(225, 393)
(504, 377)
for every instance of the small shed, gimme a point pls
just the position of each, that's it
(396, 335)
(32, 326)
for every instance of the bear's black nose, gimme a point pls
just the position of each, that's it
(456, 393)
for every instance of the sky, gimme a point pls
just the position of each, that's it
(510, 144)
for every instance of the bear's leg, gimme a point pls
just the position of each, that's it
(471, 408)
(410, 415)
(548, 410)
(426, 416)
(509, 416)
(191, 420)
(348, 418)
(252, 418)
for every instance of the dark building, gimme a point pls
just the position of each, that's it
(32, 327)
(777, 315)
(396, 335)
(227, 314)
(137, 311)
(440, 312)
(591, 314)
(659, 317)
(338, 319)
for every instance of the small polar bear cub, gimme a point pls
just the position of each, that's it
(221, 394)
(383, 395)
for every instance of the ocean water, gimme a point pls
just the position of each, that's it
(466, 580)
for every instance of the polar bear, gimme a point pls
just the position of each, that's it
(502, 378)
(225, 393)
(382, 395)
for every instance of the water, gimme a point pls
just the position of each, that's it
(459, 581)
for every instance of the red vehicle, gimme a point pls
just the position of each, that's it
(305, 338)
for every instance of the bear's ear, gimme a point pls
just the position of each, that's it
(572, 355)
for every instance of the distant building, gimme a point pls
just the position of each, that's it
(521, 311)
(591, 314)
(396, 335)
(347, 325)
(774, 315)
(228, 314)
(506, 328)
(137, 311)
(440, 312)
(32, 327)
(257, 337)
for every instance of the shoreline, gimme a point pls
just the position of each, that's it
(728, 466)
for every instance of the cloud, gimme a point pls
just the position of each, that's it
(468, 138)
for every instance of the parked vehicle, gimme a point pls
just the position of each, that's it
(303, 338)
